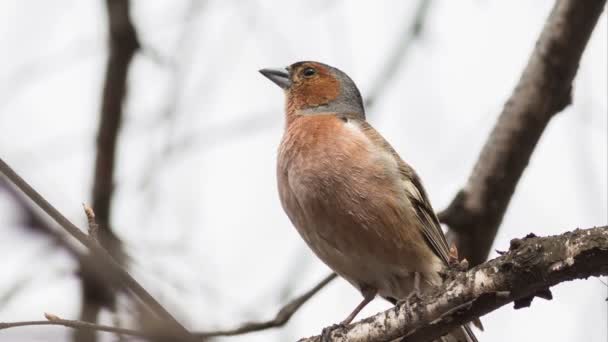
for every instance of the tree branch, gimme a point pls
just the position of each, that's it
(543, 90)
(281, 317)
(123, 43)
(531, 265)
(33, 220)
(78, 325)
(112, 270)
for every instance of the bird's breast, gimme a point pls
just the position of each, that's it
(343, 194)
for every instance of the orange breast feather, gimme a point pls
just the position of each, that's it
(343, 193)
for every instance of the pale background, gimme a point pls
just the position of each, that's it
(196, 200)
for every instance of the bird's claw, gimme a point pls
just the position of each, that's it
(326, 332)
(413, 296)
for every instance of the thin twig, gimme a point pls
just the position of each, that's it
(75, 324)
(93, 226)
(279, 320)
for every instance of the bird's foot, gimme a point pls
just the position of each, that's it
(412, 297)
(326, 332)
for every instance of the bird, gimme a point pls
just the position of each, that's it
(358, 206)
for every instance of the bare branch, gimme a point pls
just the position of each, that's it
(112, 270)
(34, 221)
(279, 320)
(75, 324)
(532, 265)
(123, 44)
(543, 90)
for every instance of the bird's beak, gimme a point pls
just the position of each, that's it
(279, 76)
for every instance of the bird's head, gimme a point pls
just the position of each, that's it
(313, 87)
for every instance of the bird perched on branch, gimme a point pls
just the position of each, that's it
(356, 203)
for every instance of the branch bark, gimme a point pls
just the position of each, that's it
(530, 266)
(123, 44)
(543, 90)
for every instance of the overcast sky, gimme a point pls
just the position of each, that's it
(196, 199)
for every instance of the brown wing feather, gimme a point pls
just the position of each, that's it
(429, 224)
(429, 221)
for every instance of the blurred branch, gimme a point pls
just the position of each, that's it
(123, 43)
(532, 264)
(75, 324)
(544, 89)
(32, 220)
(411, 32)
(279, 320)
(93, 226)
(112, 271)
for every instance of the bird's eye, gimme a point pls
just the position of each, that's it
(309, 72)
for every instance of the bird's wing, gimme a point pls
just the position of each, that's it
(429, 223)
(425, 214)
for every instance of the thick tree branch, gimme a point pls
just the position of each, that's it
(543, 90)
(123, 44)
(112, 271)
(530, 266)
